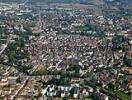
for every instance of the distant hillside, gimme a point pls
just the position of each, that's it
(47, 1)
(57, 1)
(68, 1)
(120, 1)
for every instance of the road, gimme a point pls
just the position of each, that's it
(21, 88)
(5, 46)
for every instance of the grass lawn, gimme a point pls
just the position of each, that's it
(122, 95)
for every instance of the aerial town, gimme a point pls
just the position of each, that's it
(65, 50)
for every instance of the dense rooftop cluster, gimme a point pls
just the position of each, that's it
(65, 51)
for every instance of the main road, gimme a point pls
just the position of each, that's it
(5, 46)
